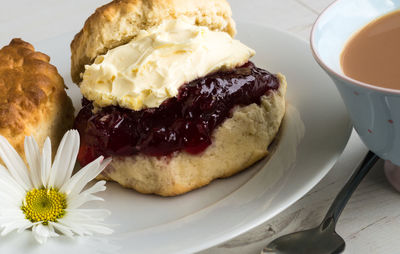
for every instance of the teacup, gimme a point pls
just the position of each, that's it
(375, 111)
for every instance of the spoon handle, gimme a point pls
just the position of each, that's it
(344, 195)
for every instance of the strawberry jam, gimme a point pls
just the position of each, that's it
(182, 123)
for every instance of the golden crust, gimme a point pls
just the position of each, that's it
(33, 101)
(238, 143)
(116, 23)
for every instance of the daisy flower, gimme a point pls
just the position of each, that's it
(46, 198)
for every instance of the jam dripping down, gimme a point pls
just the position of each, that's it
(182, 123)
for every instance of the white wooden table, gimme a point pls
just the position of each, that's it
(371, 221)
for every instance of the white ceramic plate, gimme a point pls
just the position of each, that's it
(225, 208)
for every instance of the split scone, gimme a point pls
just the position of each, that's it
(170, 95)
(33, 101)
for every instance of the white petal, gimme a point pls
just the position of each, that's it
(27, 225)
(9, 184)
(97, 187)
(85, 227)
(12, 218)
(83, 222)
(65, 159)
(13, 224)
(56, 168)
(32, 155)
(11, 213)
(45, 163)
(62, 229)
(86, 196)
(74, 227)
(81, 199)
(42, 233)
(52, 231)
(78, 181)
(15, 164)
(8, 201)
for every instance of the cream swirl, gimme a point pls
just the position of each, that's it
(151, 67)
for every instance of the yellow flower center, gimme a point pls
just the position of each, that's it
(44, 205)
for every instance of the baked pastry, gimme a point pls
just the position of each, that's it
(170, 95)
(118, 22)
(33, 101)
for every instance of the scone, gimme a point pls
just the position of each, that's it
(33, 101)
(170, 95)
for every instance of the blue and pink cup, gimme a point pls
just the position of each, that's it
(375, 111)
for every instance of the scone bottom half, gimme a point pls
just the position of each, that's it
(188, 140)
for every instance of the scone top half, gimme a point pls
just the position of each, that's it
(120, 21)
(167, 89)
(33, 100)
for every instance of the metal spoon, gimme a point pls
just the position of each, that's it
(323, 239)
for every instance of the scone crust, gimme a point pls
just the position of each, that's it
(116, 23)
(239, 142)
(33, 101)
